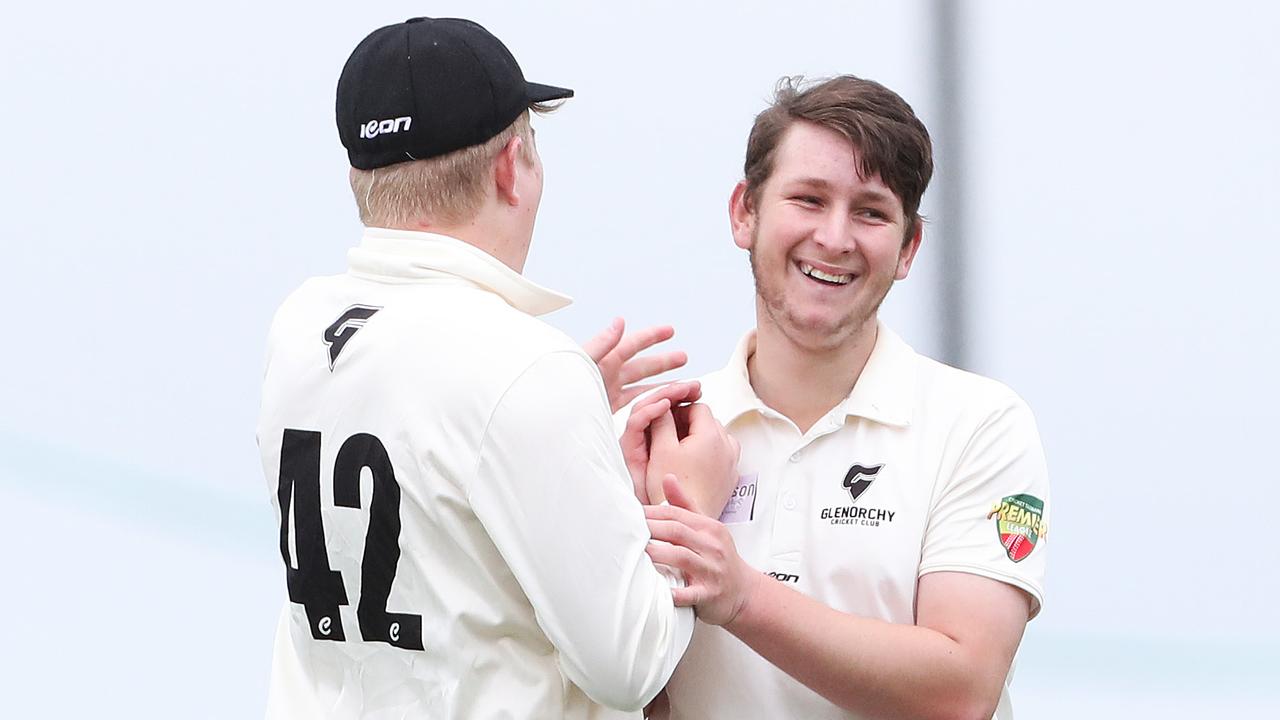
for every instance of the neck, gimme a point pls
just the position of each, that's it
(500, 239)
(805, 383)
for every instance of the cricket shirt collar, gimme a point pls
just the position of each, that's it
(884, 392)
(410, 256)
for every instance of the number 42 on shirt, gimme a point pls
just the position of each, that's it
(313, 584)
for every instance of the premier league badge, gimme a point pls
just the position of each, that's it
(1020, 524)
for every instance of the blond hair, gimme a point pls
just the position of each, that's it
(444, 190)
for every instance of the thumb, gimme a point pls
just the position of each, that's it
(676, 495)
(600, 345)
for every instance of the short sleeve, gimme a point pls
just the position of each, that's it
(991, 516)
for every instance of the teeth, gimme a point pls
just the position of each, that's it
(815, 273)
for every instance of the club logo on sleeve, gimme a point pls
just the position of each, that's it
(344, 328)
(1020, 523)
(857, 481)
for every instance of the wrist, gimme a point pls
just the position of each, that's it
(749, 603)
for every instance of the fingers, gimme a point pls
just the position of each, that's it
(676, 514)
(631, 393)
(686, 391)
(674, 532)
(679, 392)
(602, 344)
(686, 596)
(676, 392)
(643, 414)
(642, 340)
(690, 564)
(642, 368)
(681, 558)
(700, 419)
(635, 442)
(645, 411)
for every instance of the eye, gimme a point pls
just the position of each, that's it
(874, 214)
(813, 200)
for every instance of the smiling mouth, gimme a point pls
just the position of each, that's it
(822, 277)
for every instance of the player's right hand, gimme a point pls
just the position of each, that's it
(719, 582)
(705, 460)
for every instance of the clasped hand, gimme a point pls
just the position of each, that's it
(676, 450)
(693, 465)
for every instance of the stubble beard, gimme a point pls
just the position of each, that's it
(774, 303)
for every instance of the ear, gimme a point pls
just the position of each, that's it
(907, 254)
(742, 217)
(506, 171)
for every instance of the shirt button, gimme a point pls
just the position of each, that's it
(789, 502)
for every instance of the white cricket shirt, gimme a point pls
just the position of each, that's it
(922, 468)
(459, 527)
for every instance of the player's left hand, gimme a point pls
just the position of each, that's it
(689, 443)
(635, 436)
(719, 582)
(615, 355)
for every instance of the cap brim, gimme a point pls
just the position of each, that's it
(542, 93)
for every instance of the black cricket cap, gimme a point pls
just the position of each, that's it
(429, 86)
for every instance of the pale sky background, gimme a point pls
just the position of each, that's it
(173, 172)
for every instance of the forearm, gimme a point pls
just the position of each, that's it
(867, 666)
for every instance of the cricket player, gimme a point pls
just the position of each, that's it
(885, 545)
(460, 534)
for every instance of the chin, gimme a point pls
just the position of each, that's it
(819, 332)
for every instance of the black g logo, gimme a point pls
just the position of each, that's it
(859, 478)
(344, 328)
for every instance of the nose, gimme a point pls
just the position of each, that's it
(836, 232)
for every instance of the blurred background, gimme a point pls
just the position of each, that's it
(1103, 238)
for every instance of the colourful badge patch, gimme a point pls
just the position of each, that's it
(1020, 522)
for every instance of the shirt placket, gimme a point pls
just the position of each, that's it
(795, 492)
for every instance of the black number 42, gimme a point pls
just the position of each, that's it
(313, 584)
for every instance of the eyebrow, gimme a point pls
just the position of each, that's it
(864, 194)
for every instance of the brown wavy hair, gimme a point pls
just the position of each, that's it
(890, 140)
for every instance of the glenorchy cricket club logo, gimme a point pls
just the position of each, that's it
(856, 482)
(344, 328)
(859, 479)
(1020, 523)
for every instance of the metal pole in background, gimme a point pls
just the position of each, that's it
(950, 199)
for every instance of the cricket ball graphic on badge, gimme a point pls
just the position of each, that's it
(1020, 523)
